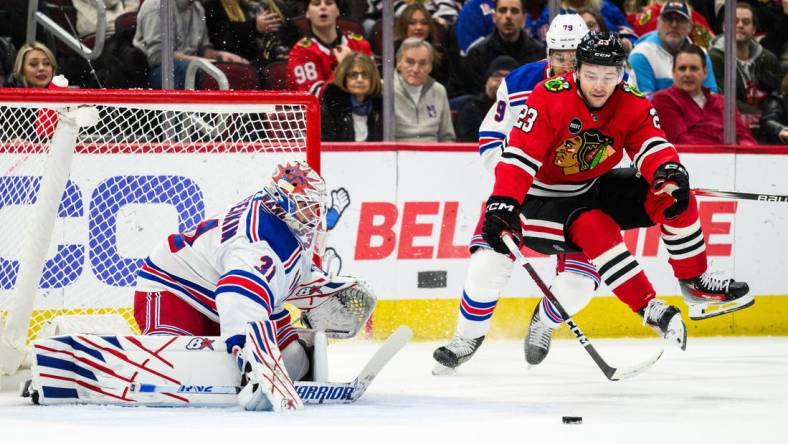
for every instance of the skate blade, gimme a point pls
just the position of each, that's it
(699, 312)
(442, 370)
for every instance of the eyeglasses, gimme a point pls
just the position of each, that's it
(358, 75)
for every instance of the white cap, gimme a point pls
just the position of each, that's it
(566, 31)
(60, 81)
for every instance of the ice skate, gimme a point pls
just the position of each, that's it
(537, 341)
(708, 296)
(455, 353)
(666, 320)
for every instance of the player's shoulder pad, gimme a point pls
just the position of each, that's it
(631, 89)
(305, 42)
(353, 36)
(557, 84)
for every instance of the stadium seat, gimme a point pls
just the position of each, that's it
(275, 76)
(239, 76)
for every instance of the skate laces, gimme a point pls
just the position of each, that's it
(539, 334)
(654, 311)
(713, 283)
(462, 346)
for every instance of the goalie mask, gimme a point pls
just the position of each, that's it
(339, 306)
(300, 197)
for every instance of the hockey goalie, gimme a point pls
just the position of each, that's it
(217, 290)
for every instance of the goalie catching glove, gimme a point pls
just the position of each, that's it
(339, 306)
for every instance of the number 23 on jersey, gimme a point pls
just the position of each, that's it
(526, 119)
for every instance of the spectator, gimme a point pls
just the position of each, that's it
(474, 23)
(259, 31)
(774, 120)
(645, 21)
(689, 112)
(614, 19)
(190, 35)
(757, 69)
(473, 111)
(7, 55)
(444, 12)
(594, 20)
(772, 19)
(314, 58)
(416, 21)
(421, 107)
(652, 58)
(352, 108)
(507, 39)
(34, 67)
(86, 14)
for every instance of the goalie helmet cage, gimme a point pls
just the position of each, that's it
(92, 180)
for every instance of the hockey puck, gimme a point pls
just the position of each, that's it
(572, 419)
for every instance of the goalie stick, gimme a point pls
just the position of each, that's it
(309, 391)
(612, 373)
(739, 195)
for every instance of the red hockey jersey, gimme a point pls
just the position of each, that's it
(311, 63)
(558, 147)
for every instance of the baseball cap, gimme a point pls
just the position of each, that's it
(678, 7)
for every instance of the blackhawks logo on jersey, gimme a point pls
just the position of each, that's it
(632, 90)
(583, 151)
(556, 84)
(306, 42)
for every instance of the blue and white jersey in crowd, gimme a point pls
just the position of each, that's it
(653, 65)
(236, 267)
(510, 98)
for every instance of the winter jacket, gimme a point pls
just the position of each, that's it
(479, 57)
(429, 120)
(653, 65)
(471, 115)
(336, 117)
(763, 69)
(685, 122)
(775, 117)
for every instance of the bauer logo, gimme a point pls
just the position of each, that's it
(320, 393)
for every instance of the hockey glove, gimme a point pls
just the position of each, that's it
(500, 215)
(672, 179)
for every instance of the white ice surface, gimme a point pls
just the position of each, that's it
(721, 390)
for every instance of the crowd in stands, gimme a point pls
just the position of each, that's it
(450, 56)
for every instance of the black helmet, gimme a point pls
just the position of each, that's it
(600, 48)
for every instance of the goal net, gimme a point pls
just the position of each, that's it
(91, 181)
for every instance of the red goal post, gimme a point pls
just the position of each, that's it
(91, 179)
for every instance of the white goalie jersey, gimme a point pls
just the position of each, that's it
(238, 266)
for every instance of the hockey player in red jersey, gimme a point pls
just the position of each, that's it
(233, 274)
(558, 172)
(314, 57)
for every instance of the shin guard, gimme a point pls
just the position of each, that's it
(488, 273)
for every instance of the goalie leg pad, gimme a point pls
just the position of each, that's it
(268, 386)
(488, 273)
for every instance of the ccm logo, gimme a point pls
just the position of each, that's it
(495, 206)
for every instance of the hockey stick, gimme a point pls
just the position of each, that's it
(309, 391)
(612, 373)
(739, 195)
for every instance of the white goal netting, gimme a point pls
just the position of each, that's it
(153, 163)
